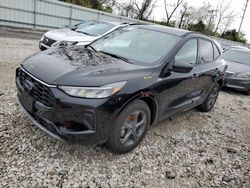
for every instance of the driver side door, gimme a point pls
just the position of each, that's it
(178, 89)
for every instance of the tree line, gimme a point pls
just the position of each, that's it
(178, 13)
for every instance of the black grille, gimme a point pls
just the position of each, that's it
(37, 90)
(47, 41)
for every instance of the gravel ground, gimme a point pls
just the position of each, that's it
(193, 149)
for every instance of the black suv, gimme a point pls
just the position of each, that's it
(112, 90)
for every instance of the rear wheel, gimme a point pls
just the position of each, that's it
(130, 127)
(211, 99)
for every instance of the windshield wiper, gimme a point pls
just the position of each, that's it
(84, 33)
(71, 27)
(117, 57)
(89, 46)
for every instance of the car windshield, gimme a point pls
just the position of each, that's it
(237, 56)
(143, 46)
(94, 28)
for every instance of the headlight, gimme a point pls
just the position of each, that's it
(63, 44)
(42, 38)
(243, 75)
(94, 92)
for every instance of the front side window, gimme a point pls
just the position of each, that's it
(143, 46)
(237, 56)
(206, 51)
(188, 53)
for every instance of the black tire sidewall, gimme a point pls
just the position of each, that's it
(114, 142)
(205, 107)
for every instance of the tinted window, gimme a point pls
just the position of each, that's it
(216, 51)
(237, 56)
(188, 53)
(206, 51)
(140, 45)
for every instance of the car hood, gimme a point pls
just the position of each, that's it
(81, 67)
(66, 34)
(237, 67)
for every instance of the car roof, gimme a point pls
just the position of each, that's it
(156, 27)
(165, 29)
(116, 23)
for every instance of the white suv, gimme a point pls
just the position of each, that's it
(81, 34)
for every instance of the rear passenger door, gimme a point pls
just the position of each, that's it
(208, 67)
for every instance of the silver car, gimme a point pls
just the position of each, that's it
(81, 34)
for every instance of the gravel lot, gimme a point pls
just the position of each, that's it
(193, 149)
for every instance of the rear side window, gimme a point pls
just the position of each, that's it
(188, 52)
(206, 51)
(216, 51)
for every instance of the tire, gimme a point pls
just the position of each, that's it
(130, 127)
(211, 99)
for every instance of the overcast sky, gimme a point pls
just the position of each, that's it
(237, 5)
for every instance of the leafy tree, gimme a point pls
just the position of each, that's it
(164, 23)
(198, 27)
(234, 36)
(103, 5)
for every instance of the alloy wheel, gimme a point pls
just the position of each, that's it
(133, 128)
(212, 97)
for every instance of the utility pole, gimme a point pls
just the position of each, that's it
(243, 15)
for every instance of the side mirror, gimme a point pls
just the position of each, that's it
(182, 67)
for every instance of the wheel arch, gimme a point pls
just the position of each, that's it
(149, 100)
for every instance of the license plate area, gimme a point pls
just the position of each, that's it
(27, 101)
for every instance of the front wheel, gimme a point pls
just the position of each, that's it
(211, 99)
(130, 127)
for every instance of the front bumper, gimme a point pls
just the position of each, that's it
(70, 119)
(33, 120)
(241, 84)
